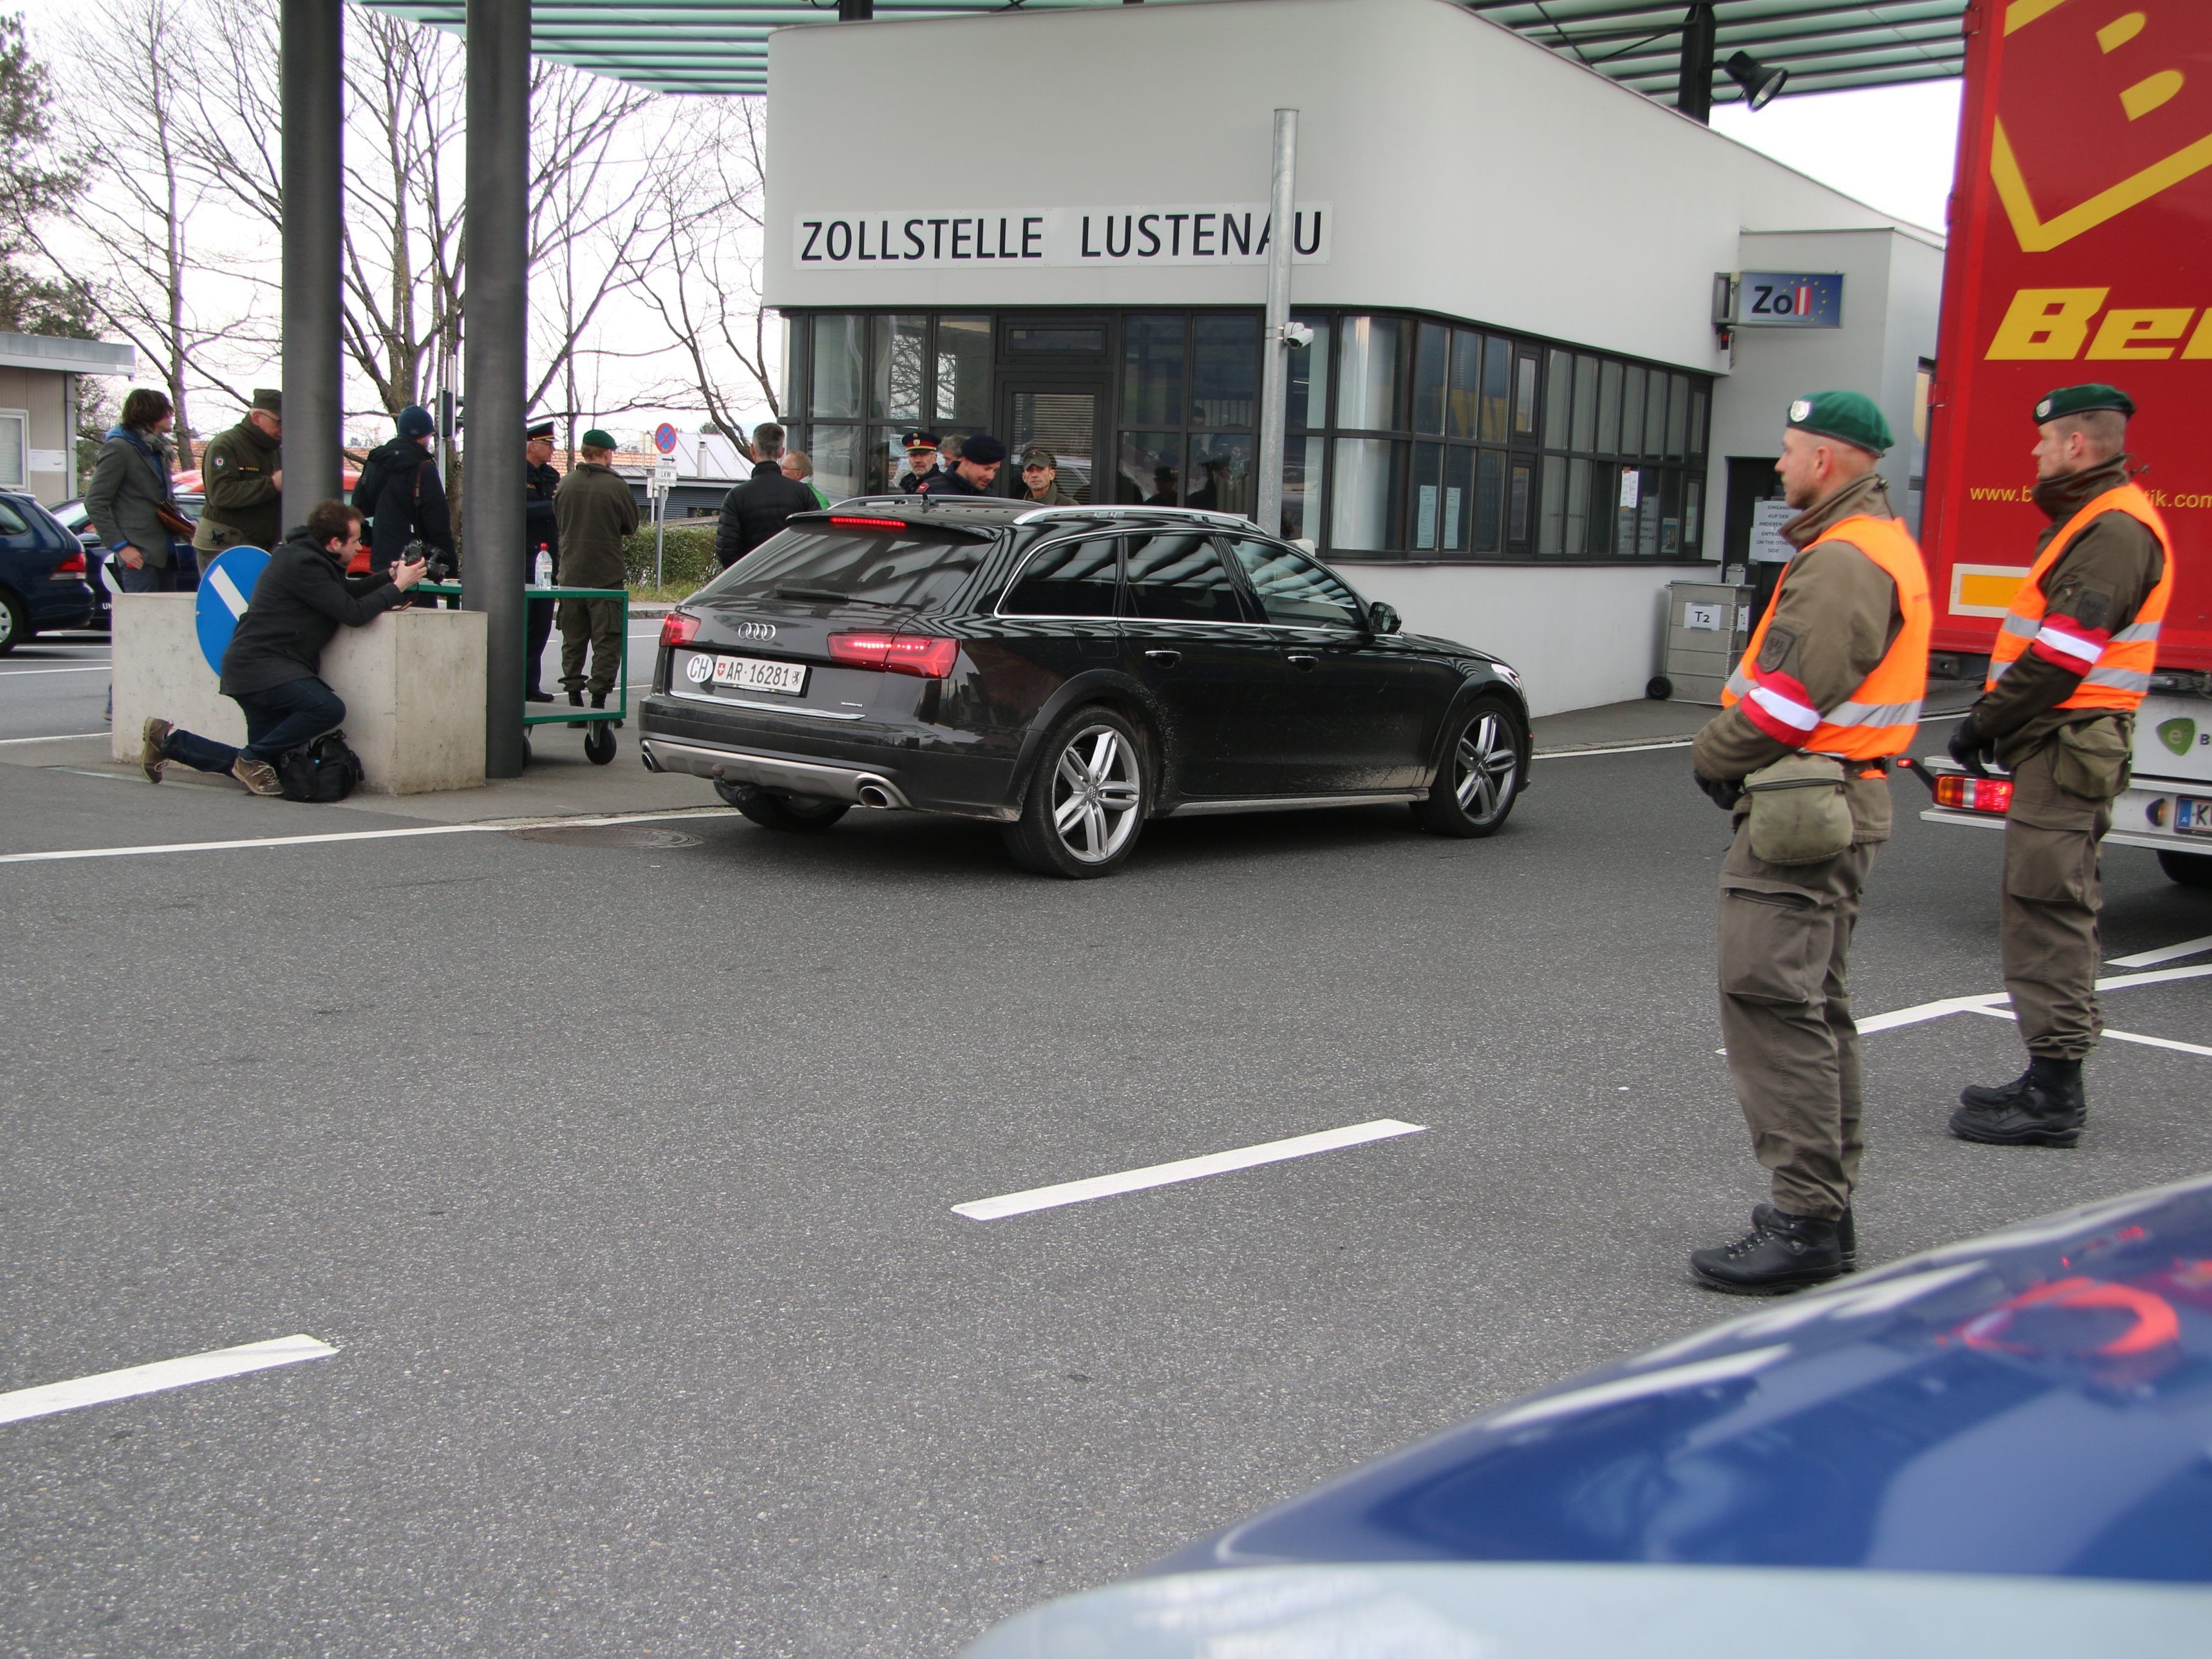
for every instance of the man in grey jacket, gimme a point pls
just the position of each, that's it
(131, 491)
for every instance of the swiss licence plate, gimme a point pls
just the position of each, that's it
(2192, 816)
(758, 674)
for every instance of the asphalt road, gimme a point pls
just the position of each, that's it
(54, 684)
(622, 1178)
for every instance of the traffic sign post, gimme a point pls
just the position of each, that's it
(225, 590)
(656, 489)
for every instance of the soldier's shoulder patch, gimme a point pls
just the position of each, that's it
(218, 462)
(1775, 650)
(2091, 605)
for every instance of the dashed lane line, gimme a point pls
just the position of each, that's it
(51, 1397)
(66, 855)
(1188, 1168)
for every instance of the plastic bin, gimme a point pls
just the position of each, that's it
(1701, 638)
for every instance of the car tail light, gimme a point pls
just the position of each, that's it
(900, 653)
(679, 628)
(1992, 795)
(872, 523)
(71, 566)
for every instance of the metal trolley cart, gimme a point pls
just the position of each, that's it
(598, 724)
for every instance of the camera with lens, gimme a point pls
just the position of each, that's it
(437, 567)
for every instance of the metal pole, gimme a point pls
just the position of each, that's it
(659, 527)
(1693, 90)
(856, 11)
(1275, 359)
(308, 60)
(494, 487)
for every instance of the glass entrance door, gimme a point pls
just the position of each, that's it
(1065, 415)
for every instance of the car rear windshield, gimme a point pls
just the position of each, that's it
(908, 570)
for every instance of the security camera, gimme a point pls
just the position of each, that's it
(1297, 336)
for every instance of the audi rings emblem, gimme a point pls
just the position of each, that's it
(699, 670)
(756, 630)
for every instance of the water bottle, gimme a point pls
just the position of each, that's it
(541, 572)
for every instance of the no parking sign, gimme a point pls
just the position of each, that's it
(226, 587)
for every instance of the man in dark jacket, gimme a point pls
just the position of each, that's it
(974, 473)
(921, 461)
(273, 667)
(542, 531)
(403, 495)
(756, 509)
(596, 512)
(242, 477)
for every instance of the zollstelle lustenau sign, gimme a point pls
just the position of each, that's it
(1212, 233)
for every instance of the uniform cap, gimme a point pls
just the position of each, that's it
(598, 438)
(919, 441)
(2080, 400)
(269, 400)
(1850, 417)
(414, 422)
(1038, 455)
(543, 429)
(982, 448)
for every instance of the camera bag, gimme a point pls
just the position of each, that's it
(324, 769)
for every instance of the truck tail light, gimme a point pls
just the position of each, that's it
(898, 653)
(73, 565)
(1965, 794)
(678, 628)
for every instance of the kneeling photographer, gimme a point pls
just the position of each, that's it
(404, 500)
(273, 667)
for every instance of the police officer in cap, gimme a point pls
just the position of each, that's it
(1829, 689)
(920, 459)
(542, 533)
(2071, 663)
(974, 473)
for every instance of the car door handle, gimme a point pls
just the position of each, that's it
(1165, 659)
(1304, 663)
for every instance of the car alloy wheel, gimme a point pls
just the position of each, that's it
(1481, 777)
(14, 623)
(1087, 802)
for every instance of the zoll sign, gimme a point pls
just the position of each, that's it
(2078, 253)
(1218, 234)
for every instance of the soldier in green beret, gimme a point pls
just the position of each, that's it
(1830, 684)
(242, 477)
(2071, 663)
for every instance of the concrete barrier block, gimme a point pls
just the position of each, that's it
(413, 683)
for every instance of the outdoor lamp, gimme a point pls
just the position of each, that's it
(1759, 83)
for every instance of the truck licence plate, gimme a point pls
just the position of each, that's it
(2192, 816)
(755, 674)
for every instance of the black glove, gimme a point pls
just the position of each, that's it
(1971, 749)
(1723, 792)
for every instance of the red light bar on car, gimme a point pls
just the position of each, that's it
(1965, 794)
(898, 653)
(679, 628)
(872, 523)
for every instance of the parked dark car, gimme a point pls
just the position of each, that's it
(1069, 673)
(1898, 1456)
(42, 572)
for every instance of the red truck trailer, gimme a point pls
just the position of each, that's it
(2080, 249)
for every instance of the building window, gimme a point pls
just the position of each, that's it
(14, 439)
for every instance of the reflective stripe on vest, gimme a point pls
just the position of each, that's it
(2116, 667)
(1879, 716)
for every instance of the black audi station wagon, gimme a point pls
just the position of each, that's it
(1068, 672)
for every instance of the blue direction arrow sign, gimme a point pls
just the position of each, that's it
(225, 587)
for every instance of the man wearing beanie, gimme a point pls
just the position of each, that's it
(403, 495)
(1828, 692)
(974, 473)
(595, 511)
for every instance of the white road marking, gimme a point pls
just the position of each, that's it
(227, 591)
(69, 854)
(58, 737)
(2188, 947)
(1624, 748)
(2161, 976)
(26, 673)
(1923, 1011)
(2108, 1033)
(52, 1397)
(1188, 1168)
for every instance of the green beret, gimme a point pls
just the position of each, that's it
(1850, 417)
(597, 438)
(2080, 400)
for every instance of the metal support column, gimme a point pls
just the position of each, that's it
(856, 11)
(1693, 91)
(314, 116)
(495, 363)
(1275, 357)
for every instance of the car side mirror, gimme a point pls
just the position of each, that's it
(1382, 618)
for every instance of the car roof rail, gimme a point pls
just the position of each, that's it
(1171, 514)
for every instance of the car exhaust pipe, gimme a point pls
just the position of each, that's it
(874, 794)
(645, 754)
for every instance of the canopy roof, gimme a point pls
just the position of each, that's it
(721, 46)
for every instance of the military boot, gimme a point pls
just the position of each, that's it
(2044, 1106)
(1847, 1232)
(1782, 1252)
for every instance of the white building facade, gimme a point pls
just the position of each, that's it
(1517, 421)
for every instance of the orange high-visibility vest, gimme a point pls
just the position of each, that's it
(2115, 668)
(1878, 717)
